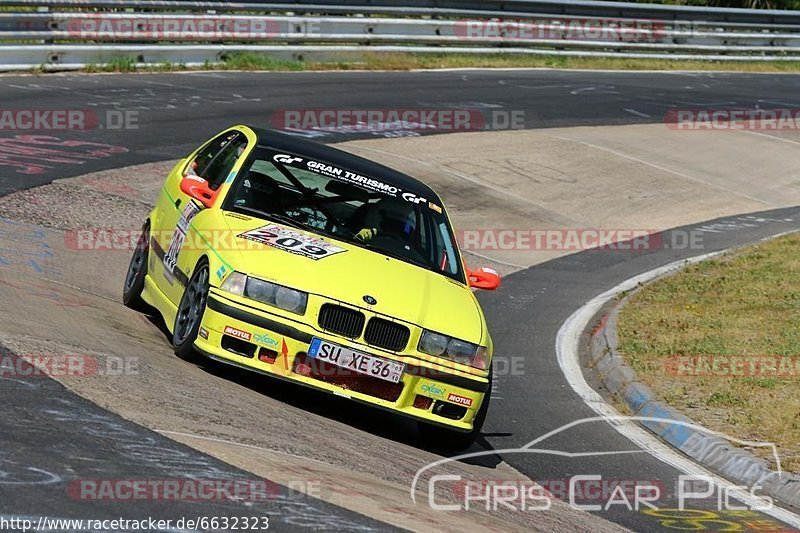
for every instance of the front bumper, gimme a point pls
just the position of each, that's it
(257, 340)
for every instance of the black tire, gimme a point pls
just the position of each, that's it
(449, 439)
(137, 271)
(190, 312)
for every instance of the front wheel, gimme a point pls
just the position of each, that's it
(449, 439)
(190, 312)
(137, 271)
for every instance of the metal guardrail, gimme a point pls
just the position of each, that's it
(360, 30)
(500, 8)
(70, 34)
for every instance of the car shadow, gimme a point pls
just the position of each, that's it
(359, 416)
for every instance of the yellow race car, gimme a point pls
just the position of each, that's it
(307, 263)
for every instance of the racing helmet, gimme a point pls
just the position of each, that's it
(393, 216)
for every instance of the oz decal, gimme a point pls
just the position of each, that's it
(292, 241)
(175, 245)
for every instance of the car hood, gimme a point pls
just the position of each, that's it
(402, 290)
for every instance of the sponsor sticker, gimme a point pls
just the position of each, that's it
(432, 389)
(352, 178)
(461, 400)
(178, 238)
(264, 339)
(203, 332)
(287, 159)
(413, 198)
(292, 241)
(233, 332)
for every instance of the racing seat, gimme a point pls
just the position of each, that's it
(258, 191)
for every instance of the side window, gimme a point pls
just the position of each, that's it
(205, 156)
(217, 159)
(448, 261)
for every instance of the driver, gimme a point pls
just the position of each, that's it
(389, 217)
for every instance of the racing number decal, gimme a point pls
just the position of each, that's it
(175, 245)
(292, 241)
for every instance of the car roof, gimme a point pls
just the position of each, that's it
(327, 154)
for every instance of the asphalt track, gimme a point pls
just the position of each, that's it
(543, 297)
(52, 435)
(175, 110)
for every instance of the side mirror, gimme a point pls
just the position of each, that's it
(484, 278)
(198, 188)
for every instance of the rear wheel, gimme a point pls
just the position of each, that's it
(190, 312)
(137, 271)
(441, 437)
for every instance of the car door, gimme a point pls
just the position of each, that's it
(212, 163)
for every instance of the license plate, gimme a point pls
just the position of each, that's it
(357, 362)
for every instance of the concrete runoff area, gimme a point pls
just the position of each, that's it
(635, 176)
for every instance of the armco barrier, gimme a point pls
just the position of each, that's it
(69, 34)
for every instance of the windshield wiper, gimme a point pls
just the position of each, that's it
(283, 219)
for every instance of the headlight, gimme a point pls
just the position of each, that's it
(461, 352)
(433, 343)
(291, 300)
(266, 292)
(235, 283)
(456, 350)
(276, 295)
(261, 291)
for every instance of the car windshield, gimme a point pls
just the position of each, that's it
(364, 211)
